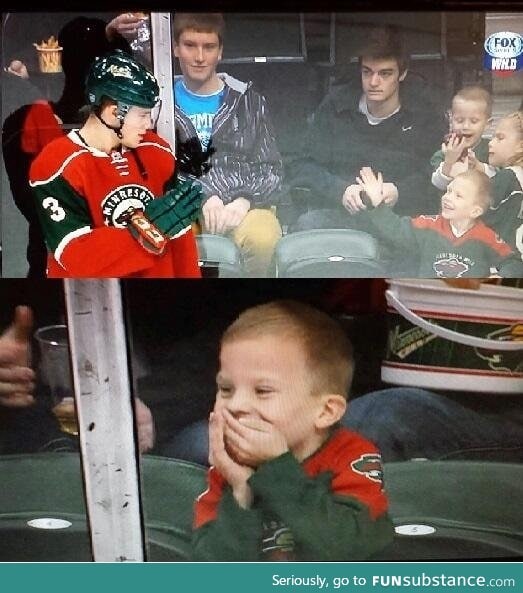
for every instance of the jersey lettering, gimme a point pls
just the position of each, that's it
(57, 212)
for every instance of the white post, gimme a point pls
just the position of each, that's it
(163, 70)
(105, 418)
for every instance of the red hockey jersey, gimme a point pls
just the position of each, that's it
(83, 195)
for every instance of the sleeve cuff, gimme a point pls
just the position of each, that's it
(284, 470)
(439, 179)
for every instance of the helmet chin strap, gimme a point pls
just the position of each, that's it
(116, 130)
(120, 114)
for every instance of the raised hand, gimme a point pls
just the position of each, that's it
(371, 184)
(16, 376)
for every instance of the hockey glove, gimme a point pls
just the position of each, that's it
(166, 217)
(191, 159)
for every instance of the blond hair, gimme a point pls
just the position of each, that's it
(477, 94)
(516, 117)
(327, 349)
(483, 196)
(204, 22)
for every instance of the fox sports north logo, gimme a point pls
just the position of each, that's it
(504, 52)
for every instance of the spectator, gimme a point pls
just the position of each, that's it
(454, 244)
(285, 482)
(384, 124)
(464, 146)
(229, 121)
(505, 215)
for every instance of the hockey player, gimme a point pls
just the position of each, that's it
(106, 194)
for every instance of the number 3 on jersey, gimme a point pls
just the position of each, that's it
(57, 213)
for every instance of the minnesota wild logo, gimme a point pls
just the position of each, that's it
(122, 201)
(503, 361)
(369, 465)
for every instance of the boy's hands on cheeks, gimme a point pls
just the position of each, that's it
(233, 472)
(253, 440)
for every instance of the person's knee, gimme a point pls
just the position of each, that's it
(395, 407)
(190, 444)
(259, 231)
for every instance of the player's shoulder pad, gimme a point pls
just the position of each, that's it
(152, 138)
(54, 158)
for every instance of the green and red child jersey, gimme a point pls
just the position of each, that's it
(83, 196)
(477, 253)
(332, 506)
(506, 213)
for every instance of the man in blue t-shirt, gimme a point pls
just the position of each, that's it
(226, 116)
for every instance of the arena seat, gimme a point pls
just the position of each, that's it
(459, 510)
(442, 510)
(327, 253)
(218, 256)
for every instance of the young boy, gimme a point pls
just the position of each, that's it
(454, 244)
(286, 483)
(465, 146)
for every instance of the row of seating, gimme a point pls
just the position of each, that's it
(323, 253)
(442, 510)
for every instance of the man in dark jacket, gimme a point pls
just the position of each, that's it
(389, 123)
(224, 118)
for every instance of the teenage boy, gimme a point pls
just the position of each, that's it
(225, 120)
(229, 120)
(286, 482)
(386, 124)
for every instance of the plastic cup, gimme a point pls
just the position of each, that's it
(55, 373)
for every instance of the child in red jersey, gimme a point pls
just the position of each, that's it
(286, 482)
(453, 244)
(107, 198)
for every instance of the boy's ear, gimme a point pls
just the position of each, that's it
(333, 407)
(477, 211)
(403, 75)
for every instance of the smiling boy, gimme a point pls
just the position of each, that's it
(286, 483)
(470, 115)
(454, 244)
(218, 111)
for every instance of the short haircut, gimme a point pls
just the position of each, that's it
(327, 348)
(205, 22)
(385, 43)
(516, 119)
(475, 93)
(483, 187)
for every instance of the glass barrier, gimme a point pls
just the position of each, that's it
(300, 115)
(42, 510)
(430, 417)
